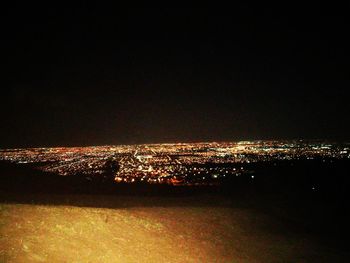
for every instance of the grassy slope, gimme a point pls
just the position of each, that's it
(146, 229)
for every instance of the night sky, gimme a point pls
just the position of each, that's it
(95, 75)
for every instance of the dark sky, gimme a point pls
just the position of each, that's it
(92, 75)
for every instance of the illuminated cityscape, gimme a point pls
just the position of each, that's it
(175, 135)
(172, 163)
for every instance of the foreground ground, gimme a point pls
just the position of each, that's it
(277, 217)
(149, 229)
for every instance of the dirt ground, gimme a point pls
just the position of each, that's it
(146, 233)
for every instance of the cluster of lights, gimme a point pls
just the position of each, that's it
(176, 164)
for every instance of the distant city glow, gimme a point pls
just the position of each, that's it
(174, 164)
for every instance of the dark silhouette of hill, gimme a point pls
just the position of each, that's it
(309, 195)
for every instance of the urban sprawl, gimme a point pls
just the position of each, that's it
(171, 163)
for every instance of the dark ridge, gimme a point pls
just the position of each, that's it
(307, 195)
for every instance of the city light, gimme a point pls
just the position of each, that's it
(174, 164)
